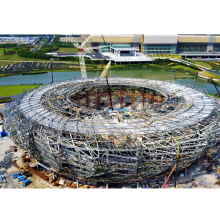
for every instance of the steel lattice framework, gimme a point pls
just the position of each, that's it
(67, 127)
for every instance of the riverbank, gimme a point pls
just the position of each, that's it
(39, 72)
(68, 66)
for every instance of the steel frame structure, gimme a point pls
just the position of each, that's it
(104, 145)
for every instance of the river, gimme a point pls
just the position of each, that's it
(160, 74)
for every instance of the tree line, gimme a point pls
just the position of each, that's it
(9, 52)
(36, 55)
(57, 43)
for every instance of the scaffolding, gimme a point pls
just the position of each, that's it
(70, 127)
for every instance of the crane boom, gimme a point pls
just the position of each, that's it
(81, 49)
(104, 72)
(174, 167)
(82, 65)
(178, 156)
(85, 41)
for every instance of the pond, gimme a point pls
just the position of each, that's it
(160, 74)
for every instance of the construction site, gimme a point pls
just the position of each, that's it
(122, 130)
(109, 132)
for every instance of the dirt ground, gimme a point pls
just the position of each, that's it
(2, 105)
(204, 181)
(36, 182)
(5, 142)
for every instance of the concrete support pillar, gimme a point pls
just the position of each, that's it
(77, 184)
(106, 185)
(185, 171)
(132, 99)
(142, 42)
(138, 185)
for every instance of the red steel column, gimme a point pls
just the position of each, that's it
(121, 99)
(143, 98)
(132, 99)
(152, 99)
(98, 100)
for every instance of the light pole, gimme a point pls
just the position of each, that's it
(51, 68)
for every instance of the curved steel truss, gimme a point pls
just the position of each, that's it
(70, 127)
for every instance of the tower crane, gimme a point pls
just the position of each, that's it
(105, 71)
(81, 49)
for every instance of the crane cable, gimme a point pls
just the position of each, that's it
(175, 165)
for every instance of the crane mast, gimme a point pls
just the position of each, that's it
(81, 49)
(81, 55)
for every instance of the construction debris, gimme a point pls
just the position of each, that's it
(7, 162)
(7, 181)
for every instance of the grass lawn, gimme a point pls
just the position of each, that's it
(177, 66)
(14, 90)
(217, 97)
(3, 63)
(166, 55)
(205, 64)
(185, 68)
(68, 50)
(209, 75)
(43, 41)
(15, 56)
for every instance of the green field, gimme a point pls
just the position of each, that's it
(43, 41)
(166, 55)
(210, 75)
(204, 64)
(176, 66)
(3, 63)
(68, 50)
(15, 57)
(14, 90)
(217, 97)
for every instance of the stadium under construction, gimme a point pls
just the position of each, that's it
(113, 129)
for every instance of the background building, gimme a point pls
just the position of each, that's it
(188, 45)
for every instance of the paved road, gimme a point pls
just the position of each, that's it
(92, 56)
(35, 49)
(39, 40)
(38, 43)
(189, 63)
(212, 71)
(5, 97)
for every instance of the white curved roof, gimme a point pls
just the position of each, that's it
(196, 108)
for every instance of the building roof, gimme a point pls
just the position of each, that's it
(160, 39)
(193, 39)
(120, 38)
(198, 39)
